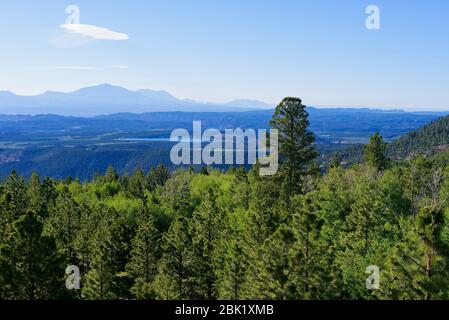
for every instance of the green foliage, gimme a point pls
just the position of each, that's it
(142, 266)
(99, 280)
(30, 265)
(374, 153)
(207, 229)
(174, 280)
(229, 235)
(296, 146)
(425, 140)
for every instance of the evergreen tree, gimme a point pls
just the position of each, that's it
(416, 183)
(417, 267)
(273, 268)
(30, 267)
(308, 276)
(174, 277)
(262, 220)
(136, 185)
(366, 238)
(64, 223)
(142, 266)
(177, 193)
(17, 198)
(375, 152)
(241, 189)
(157, 177)
(111, 174)
(207, 230)
(161, 175)
(232, 276)
(99, 282)
(296, 143)
(82, 243)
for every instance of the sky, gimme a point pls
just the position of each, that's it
(220, 50)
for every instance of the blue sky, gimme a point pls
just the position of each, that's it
(220, 50)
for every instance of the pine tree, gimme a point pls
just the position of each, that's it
(240, 188)
(262, 220)
(308, 276)
(35, 194)
(176, 194)
(88, 223)
(111, 174)
(207, 230)
(142, 266)
(273, 269)
(17, 198)
(291, 264)
(30, 267)
(233, 274)
(365, 238)
(157, 177)
(296, 143)
(161, 175)
(417, 267)
(64, 223)
(175, 268)
(99, 282)
(136, 185)
(375, 152)
(417, 175)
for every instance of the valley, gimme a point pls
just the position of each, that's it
(61, 146)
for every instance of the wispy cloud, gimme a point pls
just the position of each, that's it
(120, 67)
(94, 32)
(73, 68)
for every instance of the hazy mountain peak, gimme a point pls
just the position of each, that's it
(105, 87)
(161, 95)
(108, 99)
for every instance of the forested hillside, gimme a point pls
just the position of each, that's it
(429, 140)
(233, 235)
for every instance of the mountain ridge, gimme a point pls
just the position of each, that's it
(108, 99)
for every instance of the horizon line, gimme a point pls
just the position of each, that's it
(269, 104)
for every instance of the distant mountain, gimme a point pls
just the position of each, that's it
(104, 94)
(244, 103)
(109, 99)
(161, 96)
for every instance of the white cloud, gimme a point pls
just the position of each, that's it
(94, 32)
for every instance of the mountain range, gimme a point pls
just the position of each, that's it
(108, 99)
